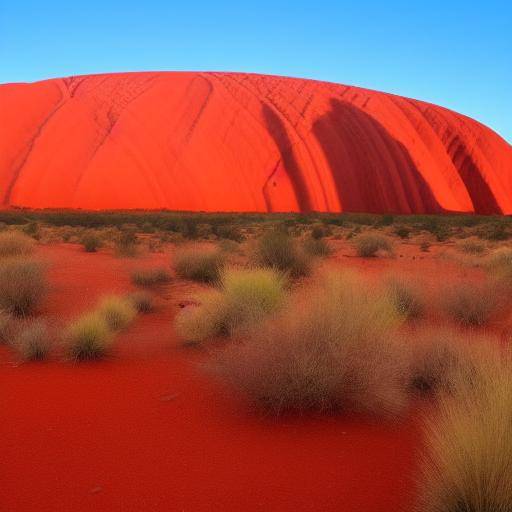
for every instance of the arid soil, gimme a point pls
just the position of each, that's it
(149, 430)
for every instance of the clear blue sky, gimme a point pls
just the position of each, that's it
(454, 53)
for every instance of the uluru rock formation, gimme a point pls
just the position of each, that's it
(242, 142)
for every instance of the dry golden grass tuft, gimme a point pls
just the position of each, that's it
(14, 243)
(118, 312)
(406, 295)
(142, 301)
(244, 298)
(369, 245)
(332, 350)
(88, 338)
(33, 342)
(276, 249)
(467, 461)
(203, 265)
(22, 285)
(472, 304)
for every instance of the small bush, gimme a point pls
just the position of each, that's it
(14, 243)
(22, 285)
(117, 312)
(318, 232)
(34, 342)
(150, 277)
(334, 351)
(467, 457)
(405, 296)
(316, 247)
(439, 358)
(142, 301)
(425, 246)
(471, 304)
(88, 338)
(369, 245)
(199, 265)
(402, 232)
(127, 244)
(474, 247)
(91, 242)
(244, 299)
(276, 249)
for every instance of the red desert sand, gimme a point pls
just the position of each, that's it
(242, 142)
(147, 430)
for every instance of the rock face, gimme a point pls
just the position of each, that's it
(242, 142)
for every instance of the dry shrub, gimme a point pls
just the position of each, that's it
(14, 243)
(467, 461)
(276, 249)
(245, 297)
(199, 264)
(405, 295)
(142, 301)
(117, 311)
(471, 304)
(442, 358)
(91, 242)
(150, 277)
(316, 247)
(333, 351)
(88, 337)
(370, 244)
(22, 285)
(474, 247)
(33, 341)
(499, 266)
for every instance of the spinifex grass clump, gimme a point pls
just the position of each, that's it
(316, 247)
(203, 265)
(117, 311)
(471, 304)
(91, 242)
(22, 285)
(88, 337)
(405, 295)
(149, 277)
(370, 244)
(466, 464)
(33, 341)
(142, 301)
(244, 298)
(276, 249)
(332, 350)
(14, 243)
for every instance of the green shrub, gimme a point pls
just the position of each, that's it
(117, 312)
(402, 232)
(89, 337)
(368, 245)
(14, 243)
(245, 297)
(278, 250)
(142, 301)
(333, 351)
(34, 342)
(199, 264)
(148, 277)
(22, 285)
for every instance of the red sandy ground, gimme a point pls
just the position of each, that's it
(242, 142)
(147, 430)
